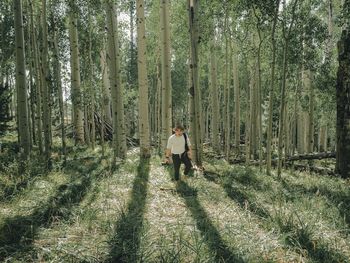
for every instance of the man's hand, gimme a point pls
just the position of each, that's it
(167, 160)
(189, 154)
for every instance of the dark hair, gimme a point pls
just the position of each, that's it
(179, 127)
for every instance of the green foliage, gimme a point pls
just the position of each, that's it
(5, 100)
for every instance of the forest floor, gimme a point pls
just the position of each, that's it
(84, 212)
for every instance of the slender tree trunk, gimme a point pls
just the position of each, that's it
(119, 138)
(60, 93)
(281, 115)
(343, 102)
(228, 98)
(329, 46)
(105, 106)
(194, 89)
(214, 99)
(91, 109)
(237, 128)
(295, 119)
(323, 138)
(283, 91)
(21, 86)
(75, 79)
(166, 71)
(252, 114)
(258, 98)
(247, 132)
(207, 117)
(86, 119)
(286, 129)
(106, 91)
(45, 86)
(32, 100)
(159, 108)
(301, 133)
(145, 145)
(311, 116)
(271, 91)
(37, 79)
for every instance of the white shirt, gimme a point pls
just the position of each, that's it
(177, 144)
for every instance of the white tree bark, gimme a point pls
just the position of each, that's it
(119, 138)
(166, 71)
(21, 85)
(75, 79)
(145, 146)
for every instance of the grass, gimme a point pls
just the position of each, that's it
(86, 212)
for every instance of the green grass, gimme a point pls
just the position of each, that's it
(87, 212)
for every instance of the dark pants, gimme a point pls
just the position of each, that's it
(177, 159)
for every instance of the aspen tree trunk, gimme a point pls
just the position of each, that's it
(214, 99)
(301, 133)
(271, 92)
(252, 115)
(307, 87)
(159, 108)
(45, 86)
(237, 128)
(75, 79)
(166, 71)
(145, 145)
(91, 109)
(343, 102)
(283, 91)
(281, 114)
(295, 120)
(21, 85)
(225, 80)
(102, 128)
(106, 92)
(119, 138)
(37, 79)
(32, 100)
(86, 119)
(258, 99)
(311, 115)
(325, 141)
(105, 106)
(228, 99)
(329, 46)
(323, 138)
(247, 132)
(60, 93)
(154, 113)
(194, 89)
(286, 129)
(207, 116)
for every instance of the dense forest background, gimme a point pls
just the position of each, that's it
(256, 83)
(264, 74)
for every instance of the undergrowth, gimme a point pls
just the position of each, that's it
(84, 211)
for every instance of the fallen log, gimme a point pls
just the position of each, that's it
(315, 169)
(289, 162)
(300, 157)
(311, 156)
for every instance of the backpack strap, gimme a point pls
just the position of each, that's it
(186, 145)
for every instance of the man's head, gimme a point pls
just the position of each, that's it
(179, 129)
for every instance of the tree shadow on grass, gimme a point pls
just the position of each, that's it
(18, 233)
(340, 199)
(125, 243)
(297, 235)
(210, 234)
(237, 192)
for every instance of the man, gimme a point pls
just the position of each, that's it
(181, 151)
